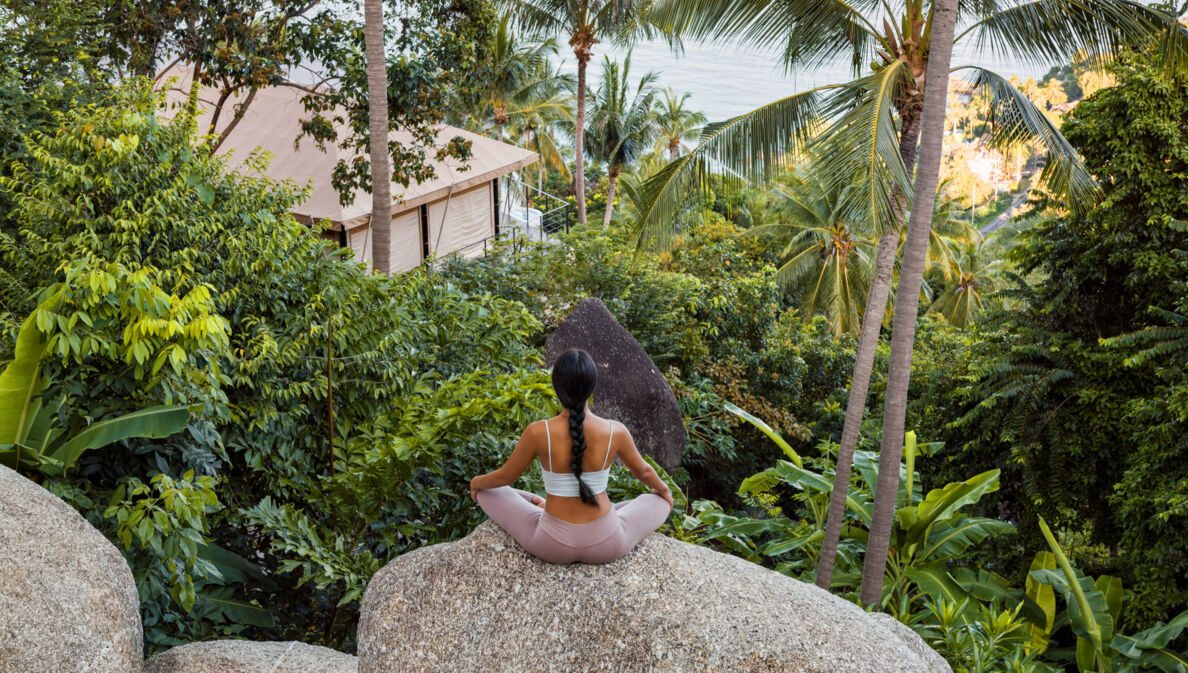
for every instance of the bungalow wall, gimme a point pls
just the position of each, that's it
(457, 222)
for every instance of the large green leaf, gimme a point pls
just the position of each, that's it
(1015, 120)
(21, 382)
(942, 503)
(934, 579)
(827, 32)
(221, 601)
(861, 147)
(1056, 31)
(41, 433)
(1111, 589)
(1044, 597)
(798, 477)
(951, 537)
(767, 430)
(1149, 648)
(155, 422)
(1087, 608)
(234, 568)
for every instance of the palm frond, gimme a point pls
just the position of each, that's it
(808, 33)
(1054, 31)
(863, 142)
(1015, 119)
(752, 145)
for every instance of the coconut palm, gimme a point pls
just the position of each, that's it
(678, 123)
(866, 130)
(520, 73)
(584, 23)
(830, 258)
(377, 110)
(973, 275)
(827, 258)
(622, 126)
(534, 121)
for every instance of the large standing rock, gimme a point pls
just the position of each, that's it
(630, 387)
(243, 656)
(67, 598)
(484, 604)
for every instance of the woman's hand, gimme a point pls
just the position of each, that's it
(666, 494)
(474, 490)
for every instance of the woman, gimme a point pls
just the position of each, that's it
(577, 522)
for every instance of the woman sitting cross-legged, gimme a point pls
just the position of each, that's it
(577, 522)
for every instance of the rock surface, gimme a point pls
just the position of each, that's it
(67, 598)
(243, 656)
(631, 388)
(483, 604)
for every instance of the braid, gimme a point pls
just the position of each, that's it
(577, 433)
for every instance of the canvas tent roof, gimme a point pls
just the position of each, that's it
(272, 122)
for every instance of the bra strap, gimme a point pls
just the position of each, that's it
(608, 444)
(550, 440)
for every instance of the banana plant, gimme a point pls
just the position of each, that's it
(1094, 612)
(30, 434)
(929, 529)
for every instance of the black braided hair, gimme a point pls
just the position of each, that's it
(574, 377)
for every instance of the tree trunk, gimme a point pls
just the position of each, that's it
(613, 176)
(868, 344)
(381, 160)
(907, 299)
(579, 125)
(674, 148)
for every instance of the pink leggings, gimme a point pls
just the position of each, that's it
(608, 538)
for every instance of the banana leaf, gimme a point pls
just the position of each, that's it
(943, 502)
(1044, 597)
(1088, 608)
(951, 537)
(1149, 648)
(220, 600)
(234, 568)
(21, 383)
(794, 475)
(155, 422)
(767, 430)
(934, 580)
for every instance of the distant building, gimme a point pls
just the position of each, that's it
(457, 211)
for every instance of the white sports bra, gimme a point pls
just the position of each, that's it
(567, 484)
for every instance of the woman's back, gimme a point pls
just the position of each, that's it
(555, 453)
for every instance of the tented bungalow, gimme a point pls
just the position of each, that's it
(457, 211)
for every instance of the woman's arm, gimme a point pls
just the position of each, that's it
(519, 461)
(630, 456)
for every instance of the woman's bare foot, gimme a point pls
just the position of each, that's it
(538, 501)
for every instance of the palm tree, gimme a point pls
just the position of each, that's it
(827, 257)
(586, 23)
(534, 120)
(962, 302)
(519, 72)
(907, 299)
(377, 110)
(622, 124)
(677, 123)
(831, 258)
(853, 127)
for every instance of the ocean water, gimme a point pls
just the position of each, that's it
(728, 80)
